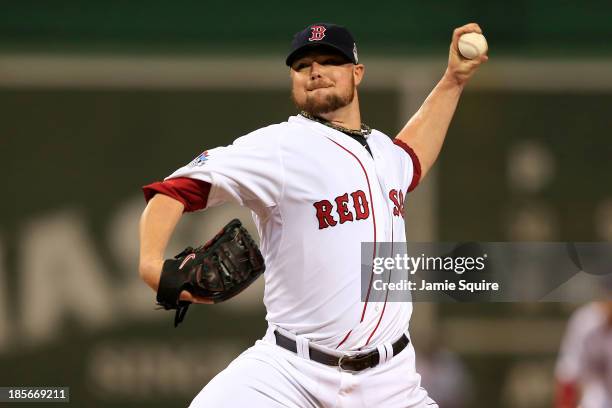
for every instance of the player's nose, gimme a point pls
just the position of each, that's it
(315, 70)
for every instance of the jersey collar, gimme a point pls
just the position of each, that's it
(363, 132)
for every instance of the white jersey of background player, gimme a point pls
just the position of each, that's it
(584, 366)
(316, 194)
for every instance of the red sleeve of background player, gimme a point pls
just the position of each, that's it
(416, 173)
(566, 395)
(191, 192)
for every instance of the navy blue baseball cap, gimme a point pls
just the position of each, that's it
(323, 34)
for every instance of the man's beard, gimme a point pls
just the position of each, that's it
(330, 102)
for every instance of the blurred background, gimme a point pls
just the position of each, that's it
(99, 98)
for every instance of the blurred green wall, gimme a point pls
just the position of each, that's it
(393, 27)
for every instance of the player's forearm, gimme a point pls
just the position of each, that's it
(156, 226)
(426, 130)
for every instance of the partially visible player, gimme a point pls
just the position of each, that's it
(584, 367)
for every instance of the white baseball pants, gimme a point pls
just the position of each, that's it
(266, 375)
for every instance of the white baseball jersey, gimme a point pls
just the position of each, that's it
(585, 357)
(316, 194)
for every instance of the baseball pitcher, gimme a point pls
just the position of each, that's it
(318, 185)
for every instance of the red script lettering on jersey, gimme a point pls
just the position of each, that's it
(397, 197)
(354, 209)
(343, 208)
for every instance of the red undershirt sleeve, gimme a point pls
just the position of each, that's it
(192, 193)
(416, 176)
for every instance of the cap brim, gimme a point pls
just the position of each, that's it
(297, 52)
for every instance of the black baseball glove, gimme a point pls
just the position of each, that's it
(217, 271)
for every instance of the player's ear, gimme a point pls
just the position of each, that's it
(358, 73)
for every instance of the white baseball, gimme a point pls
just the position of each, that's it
(472, 45)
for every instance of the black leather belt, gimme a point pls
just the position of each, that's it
(356, 362)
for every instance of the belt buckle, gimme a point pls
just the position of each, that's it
(342, 360)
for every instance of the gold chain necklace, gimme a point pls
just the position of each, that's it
(363, 132)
